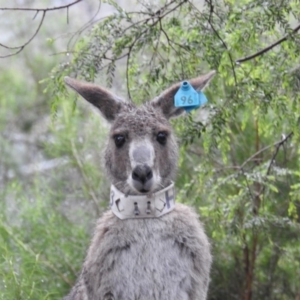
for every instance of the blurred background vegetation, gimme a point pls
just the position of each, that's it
(240, 155)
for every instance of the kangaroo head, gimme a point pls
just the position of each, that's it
(141, 153)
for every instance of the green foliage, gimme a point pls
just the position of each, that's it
(30, 249)
(45, 219)
(239, 163)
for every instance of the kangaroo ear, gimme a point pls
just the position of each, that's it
(108, 104)
(165, 101)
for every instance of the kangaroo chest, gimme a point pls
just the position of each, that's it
(144, 258)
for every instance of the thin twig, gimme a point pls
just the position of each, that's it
(152, 16)
(37, 10)
(145, 21)
(127, 73)
(278, 145)
(24, 45)
(248, 186)
(85, 178)
(41, 9)
(91, 22)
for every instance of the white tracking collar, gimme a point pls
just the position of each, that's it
(142, 206)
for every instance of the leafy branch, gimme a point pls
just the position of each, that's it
(126, 41)
(268, 48)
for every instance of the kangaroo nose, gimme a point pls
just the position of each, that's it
(142, 173)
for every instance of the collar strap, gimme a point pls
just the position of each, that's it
(142, 206)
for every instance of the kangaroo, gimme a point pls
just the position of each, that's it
(145, 247)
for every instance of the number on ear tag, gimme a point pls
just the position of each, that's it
(188, 98)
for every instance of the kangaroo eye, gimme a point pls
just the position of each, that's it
(119, 140)
(162, 138)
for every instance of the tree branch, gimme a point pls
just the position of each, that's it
(41, 9)
(261, 52)
(37, 10)
(276, 144)
(20, 48)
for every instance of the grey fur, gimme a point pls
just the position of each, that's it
(166, 258)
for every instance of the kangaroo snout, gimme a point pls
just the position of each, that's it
(142, 176)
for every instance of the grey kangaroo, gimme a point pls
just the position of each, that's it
(145, 247)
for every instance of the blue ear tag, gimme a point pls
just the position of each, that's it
(188, 98)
